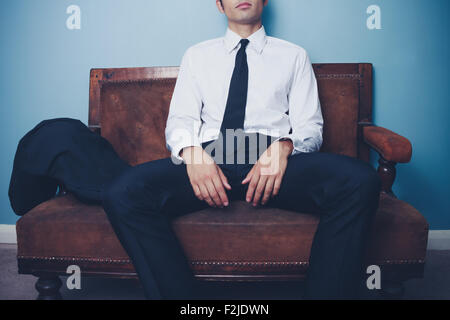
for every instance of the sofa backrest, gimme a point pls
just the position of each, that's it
(129, 107)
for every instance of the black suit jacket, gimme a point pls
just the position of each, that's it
(61, 151)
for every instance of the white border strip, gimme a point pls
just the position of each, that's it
(8, 233)
(437, 239)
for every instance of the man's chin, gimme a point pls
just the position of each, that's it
(245, 19)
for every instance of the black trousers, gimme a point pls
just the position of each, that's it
(344, 191)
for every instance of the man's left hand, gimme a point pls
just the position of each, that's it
(267, 173)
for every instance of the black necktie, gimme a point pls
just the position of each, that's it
(234, 115)
(237, 95)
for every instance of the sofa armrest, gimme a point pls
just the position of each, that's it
(390, 145)
(392, 148)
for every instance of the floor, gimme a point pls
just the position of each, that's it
(435, 284)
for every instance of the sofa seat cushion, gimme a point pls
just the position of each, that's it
(240, 238)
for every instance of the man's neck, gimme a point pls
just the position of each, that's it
(244, 30)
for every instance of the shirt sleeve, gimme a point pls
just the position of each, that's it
(305, 113)
(183, 122)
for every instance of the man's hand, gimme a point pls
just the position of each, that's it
(267, 173)
(207, 179)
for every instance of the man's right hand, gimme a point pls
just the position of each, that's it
(206, 177)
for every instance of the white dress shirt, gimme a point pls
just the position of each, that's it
(282, 93)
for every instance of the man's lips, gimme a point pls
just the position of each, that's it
(244, 5)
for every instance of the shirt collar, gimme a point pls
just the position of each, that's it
(257, 40)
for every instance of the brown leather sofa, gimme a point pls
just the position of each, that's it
(129, 107)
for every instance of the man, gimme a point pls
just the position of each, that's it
(263, 87)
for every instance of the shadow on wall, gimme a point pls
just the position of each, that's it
(267, 17)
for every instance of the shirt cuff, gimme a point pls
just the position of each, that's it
(295, 143)
(185, 141)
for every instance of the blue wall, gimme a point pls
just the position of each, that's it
(45, 67)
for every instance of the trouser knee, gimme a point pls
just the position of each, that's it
(369, 183)
(131, 193)
(120, 195)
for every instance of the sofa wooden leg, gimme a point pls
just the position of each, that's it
(48, 287)
(392, 290)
